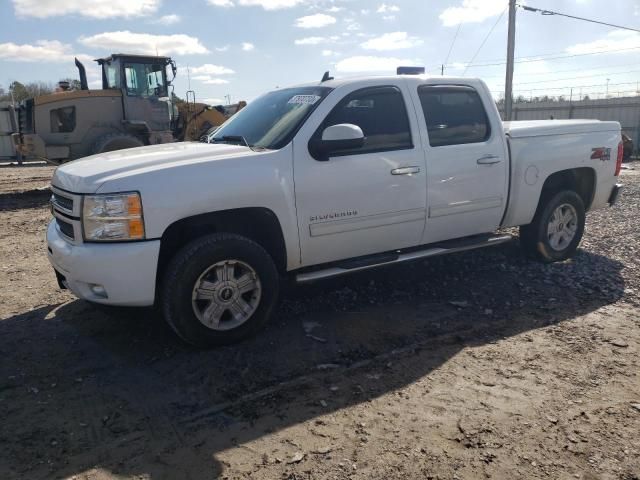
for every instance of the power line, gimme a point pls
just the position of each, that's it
(540, 58)
(582, 69)
(543, 59)
(551, 12)
(452, 43)
(484, 41)
(576, 86)
(583, 76)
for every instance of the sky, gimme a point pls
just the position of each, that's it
(243, 48)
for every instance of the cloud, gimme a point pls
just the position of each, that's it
(335, 9)
(145, 43)
(616, 40)
(392, 41)
(353, 26)
(41, 51)
(359, 64)
(168, 19)
(85, 8)
(215, 81)
(311, 40)
(389, 18)
(266, 4)
(247, 46)
(472, 11)
(318, 20)
(213, 101)
(210, 69)
(330, 53)
(223, 48)
(384, 8)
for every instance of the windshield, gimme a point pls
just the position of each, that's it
(145, 80)
(271, 120)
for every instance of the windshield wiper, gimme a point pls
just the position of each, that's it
(235, 139)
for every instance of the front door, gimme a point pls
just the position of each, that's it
(366, 200)
(467, 162)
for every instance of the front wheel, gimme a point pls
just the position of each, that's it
(219, 289)
(556, 229)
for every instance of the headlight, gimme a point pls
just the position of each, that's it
(112, 217)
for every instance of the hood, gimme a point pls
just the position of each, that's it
(88, 174)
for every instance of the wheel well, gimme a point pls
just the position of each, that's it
(259, 224)
(580, 180)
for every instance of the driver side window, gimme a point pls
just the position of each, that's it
(381, 114)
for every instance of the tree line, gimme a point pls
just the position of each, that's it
(19, 91)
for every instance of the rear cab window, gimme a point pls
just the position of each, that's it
(454, 115)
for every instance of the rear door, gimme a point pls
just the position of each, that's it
(366, 200)
(467, 162)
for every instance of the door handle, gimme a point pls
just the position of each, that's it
(488, 160)
(405, 171)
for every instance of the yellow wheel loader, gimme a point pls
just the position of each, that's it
(135, 107)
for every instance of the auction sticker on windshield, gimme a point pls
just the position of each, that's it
(304, 99)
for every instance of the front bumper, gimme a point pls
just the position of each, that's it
(615, 193)
(126, 272)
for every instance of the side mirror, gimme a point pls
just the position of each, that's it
(344, 136)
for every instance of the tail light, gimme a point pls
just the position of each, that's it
(619, 159)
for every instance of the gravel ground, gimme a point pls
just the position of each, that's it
(476, 365)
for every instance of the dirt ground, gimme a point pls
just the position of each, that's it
(477, 365)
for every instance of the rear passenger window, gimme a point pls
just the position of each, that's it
(381, 114)
(454, 115)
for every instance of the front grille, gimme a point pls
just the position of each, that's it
(65, 228)
(63, 202)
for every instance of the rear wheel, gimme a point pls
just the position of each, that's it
(556, 229)
(115, 141)
(219, 289)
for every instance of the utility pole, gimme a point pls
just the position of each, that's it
(442, 70)
(511, 47)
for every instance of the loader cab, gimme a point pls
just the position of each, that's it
(145, 86)
(137, 75)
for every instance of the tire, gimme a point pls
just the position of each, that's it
(564, 210)
(115, 141)
(202, 293)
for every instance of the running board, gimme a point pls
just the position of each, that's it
(365, 263)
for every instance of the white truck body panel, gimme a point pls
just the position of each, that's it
(346, 207)
(352, 205)
(536, 153)
(180, 180)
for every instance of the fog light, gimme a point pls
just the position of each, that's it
(98, 291)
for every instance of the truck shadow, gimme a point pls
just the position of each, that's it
(29, 199)
(113, 390)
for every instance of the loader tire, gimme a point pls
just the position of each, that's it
(115, 141)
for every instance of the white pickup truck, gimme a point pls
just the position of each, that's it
(316, 181)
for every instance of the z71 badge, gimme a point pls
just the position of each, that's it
(601, 153)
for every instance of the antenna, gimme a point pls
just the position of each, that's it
(326, 77)
(189, 77)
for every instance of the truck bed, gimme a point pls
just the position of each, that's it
(538, 128)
